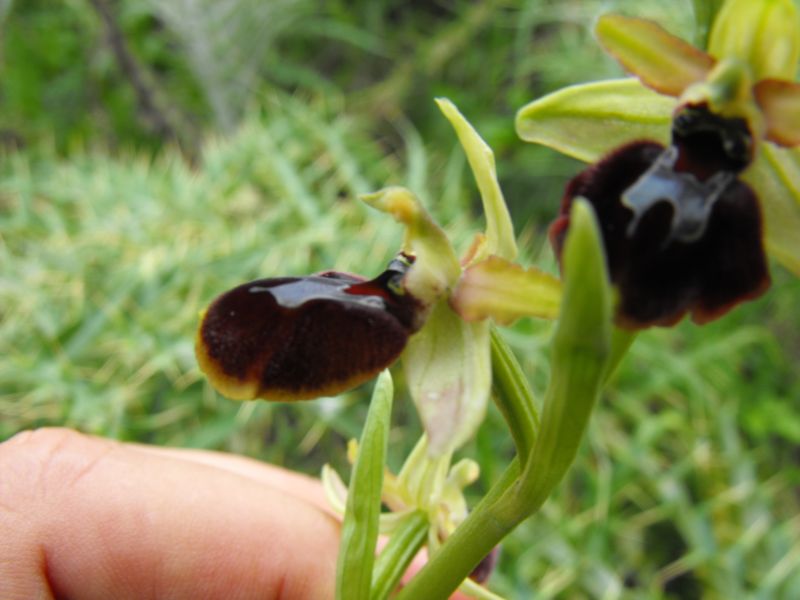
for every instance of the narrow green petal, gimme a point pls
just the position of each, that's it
(505, 291)
(588, 120)
(360, 525)
(776, 177)
(448, 369)
(662, 61)
(780, 102)
(763, 33)
(436, 268)
(499, 229)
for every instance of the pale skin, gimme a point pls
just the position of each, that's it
(84, 517)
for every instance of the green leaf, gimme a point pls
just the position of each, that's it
(662, 61)
(581, 350)
(587, 121)
(765, 34)
(505, 291)
(360, 526)
(448, 370)
(499, 228)
(775, 176)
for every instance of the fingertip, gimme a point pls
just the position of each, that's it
(112, 521)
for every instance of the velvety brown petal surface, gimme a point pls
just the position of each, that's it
(660, 280)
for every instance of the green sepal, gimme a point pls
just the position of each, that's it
(499, 228)
(361, 518)
(505, 292)
(586, 121)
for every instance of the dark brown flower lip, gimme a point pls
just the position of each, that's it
(660, 279)
(296, 338)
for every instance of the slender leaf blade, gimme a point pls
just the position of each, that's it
(360, 526)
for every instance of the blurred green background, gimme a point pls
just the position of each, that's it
(155, 153)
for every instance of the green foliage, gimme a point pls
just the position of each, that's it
(686, 486)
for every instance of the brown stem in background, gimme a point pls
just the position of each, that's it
(145, 94)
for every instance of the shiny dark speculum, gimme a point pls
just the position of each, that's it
(295, 338)
(660, 278)
(705, 157)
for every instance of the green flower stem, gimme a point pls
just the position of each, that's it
(395, 558)
(513, 395)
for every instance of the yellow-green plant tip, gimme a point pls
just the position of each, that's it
(587, 303)
(499, 228)
(397, 201)
(763, 33)
(662, 61)
(586, 121)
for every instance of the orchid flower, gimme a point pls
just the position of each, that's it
(692, 160)
(297, 338)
